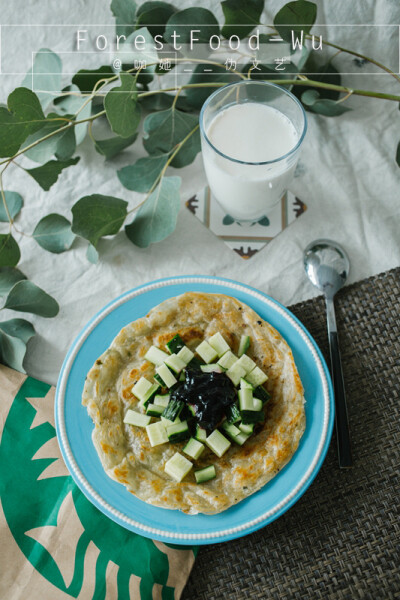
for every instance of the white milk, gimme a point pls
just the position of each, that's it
(250, 132)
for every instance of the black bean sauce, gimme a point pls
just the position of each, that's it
(209, 393)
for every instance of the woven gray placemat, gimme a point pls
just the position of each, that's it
(341, 539)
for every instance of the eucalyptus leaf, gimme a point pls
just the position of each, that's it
(295, 16)
(162, 101)
(70, 105)
(8, 278)
(86, 79)
(112, 146)
(311, 99)
(19, 328)
(44, 151)
(156, 218)
(124, 13)
(228, 220)
(45, 75)
(325, 73)
(47, 174)
(96, 216)
(122, 110)
(66, 144)
(398, 154)
(53, 233)
(138, 46)
(23, 117)
(153, 14)
(92, 255)
(215, 74)
(141, 176)
(9, 250)
(241, 17)
(14, 204)
(12, 351)
(163, 130)
(25, 296)
(185, 21)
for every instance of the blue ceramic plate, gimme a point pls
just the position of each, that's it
(74, 426)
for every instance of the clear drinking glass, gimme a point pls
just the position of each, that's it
(245, 189)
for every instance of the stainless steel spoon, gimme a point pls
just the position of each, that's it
(327, 266)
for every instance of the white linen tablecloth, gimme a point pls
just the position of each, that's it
(347, 176)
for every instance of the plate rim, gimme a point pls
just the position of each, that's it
(175, 536)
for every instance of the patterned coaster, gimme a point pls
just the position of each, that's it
(245, 239)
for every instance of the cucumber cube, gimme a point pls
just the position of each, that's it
(231, 429)
(203, 475)
(169, 422)
(175, 344)
(232, 413)
(244, 345)
(161, 399)
(219, 344)
(246, 401)
(212, 368)
(166, 375)
(218, 443)
(246, 362)
(245, 385)
(175, 363)
(206, 352)
(144, 389)
(257, 404)
(154, 410)
(256, 377)
(185, 354)
(252, 416)
(155, 355)
(235, 374)
(134, 418)
(178, 466)
(242, 438)
(227, 360)
(157, 433)
(193, 448)
(178, 431)
(246, 428)
(201, 434)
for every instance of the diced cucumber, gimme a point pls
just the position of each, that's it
(247, 428)
(173, 409)
(155, 355)
(192, 409)
(230, 429)
(212, 368)
(206, 352)
(134, 418)
(245, 385)
(261, 392)
(168, 378)
(217, 342)
(246, 362)
(252, 416)
(158, 379)
(157, 433)
(168, 422)
(201, 434)
(154, 410)
(144, 389)
(161, 400)
(175, 363)
(195, 364)
(178, 432)
(246, 401)
(175, 344)
(244, 345)
(206, 474)
(218, 443)
(242, 438)
(232, 413)
(257, 404)
(185, 354)
(227, 360)
(193, 448)
(178, 466)
(182, 376)
(256, 377)
(235, 374)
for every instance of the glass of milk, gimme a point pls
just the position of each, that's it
(251, 134)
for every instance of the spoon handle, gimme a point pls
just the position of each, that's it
(342, 423)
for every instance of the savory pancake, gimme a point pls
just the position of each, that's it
(125, 450)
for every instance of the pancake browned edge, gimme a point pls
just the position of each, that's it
(125, 450)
